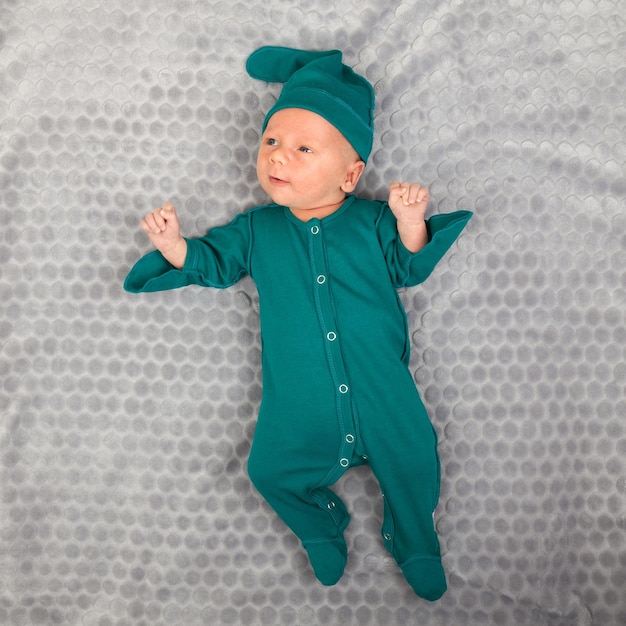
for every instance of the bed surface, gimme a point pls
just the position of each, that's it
(125, 421)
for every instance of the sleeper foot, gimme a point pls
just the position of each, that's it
(426, 576)
(328, 559)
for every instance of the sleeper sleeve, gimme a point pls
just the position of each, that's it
(411, 268)
(219, 259)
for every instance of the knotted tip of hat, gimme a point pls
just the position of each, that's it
(320, 82)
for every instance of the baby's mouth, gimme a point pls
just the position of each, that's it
(277, 181)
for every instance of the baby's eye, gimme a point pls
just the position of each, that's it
(304, 149)
(271, 141)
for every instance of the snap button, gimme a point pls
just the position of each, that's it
(344, 462)
(387, 537)
(315, 230)
(343, 388)
(350, 438)
(331, 336)
(321, 279)
(331, 506)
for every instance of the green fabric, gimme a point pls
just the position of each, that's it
(337, 391)
(318, 81)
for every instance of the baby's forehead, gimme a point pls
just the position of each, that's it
(300, 115)
(309, 128)
(303, 123)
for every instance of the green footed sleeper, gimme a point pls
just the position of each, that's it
(337, 390)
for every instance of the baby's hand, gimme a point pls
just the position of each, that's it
(163, 228)
(408, 202)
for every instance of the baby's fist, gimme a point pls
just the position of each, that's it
(408, 201)
(163, 228)
(162, 222)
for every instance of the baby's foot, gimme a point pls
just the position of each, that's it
(328, 559)
(425, 574)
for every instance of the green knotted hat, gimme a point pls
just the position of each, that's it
(318, 81)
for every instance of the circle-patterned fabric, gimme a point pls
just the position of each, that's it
(126, 421)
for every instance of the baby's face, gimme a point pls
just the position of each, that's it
(306, 164)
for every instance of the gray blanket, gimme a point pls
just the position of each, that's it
(125, 421)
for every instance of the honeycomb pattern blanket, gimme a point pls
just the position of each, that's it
(126, 421)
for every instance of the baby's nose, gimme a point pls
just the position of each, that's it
(278, 156)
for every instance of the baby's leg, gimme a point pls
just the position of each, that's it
(409, 534)
(328, 557)
(294, 486)
(407, 468)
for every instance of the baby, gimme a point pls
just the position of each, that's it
(337, 391)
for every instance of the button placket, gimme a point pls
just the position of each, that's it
(325, 311)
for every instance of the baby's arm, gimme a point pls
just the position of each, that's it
(163, 228)
(408, 202)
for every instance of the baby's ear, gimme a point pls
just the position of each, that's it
(352, 176)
